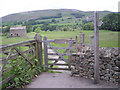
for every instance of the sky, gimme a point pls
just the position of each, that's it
(16, 6)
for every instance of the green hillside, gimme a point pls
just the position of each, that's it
(66, 13)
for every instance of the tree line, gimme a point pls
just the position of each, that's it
(110, 22)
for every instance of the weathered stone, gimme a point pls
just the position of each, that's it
(117, 63)
(109, 63)
(117, 73)
(116, 69)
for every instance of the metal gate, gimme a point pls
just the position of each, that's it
(54, 59)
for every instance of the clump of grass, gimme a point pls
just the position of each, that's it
(51, 71)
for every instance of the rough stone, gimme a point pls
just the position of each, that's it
(109, 63)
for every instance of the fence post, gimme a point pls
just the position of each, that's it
(91, 41)
(69, 52)
(45, 53)
(76, 39)
(96, 49)
(82, 38)
(38, 37)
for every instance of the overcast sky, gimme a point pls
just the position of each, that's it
(15, 6)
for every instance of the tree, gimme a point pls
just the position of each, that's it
(62, 19)
(88, 26)
(65, 29)
(6, 29)
(29, 28)
(37, 30)
(111, 22)
(45, 27)
(77, 15)
(53, 21)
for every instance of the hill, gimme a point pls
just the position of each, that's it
(50, 13)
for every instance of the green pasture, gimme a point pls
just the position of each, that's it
(106, 38)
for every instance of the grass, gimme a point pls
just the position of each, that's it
(6, 41)
(54, 71)
(106, 38)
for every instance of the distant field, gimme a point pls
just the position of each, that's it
(6, 41)
(107, 38)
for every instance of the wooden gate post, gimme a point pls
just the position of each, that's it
(69, 52)
(91, 41)
(82, 38)
(96, 49)
(45, 53)
(38, 37)
(76, 40)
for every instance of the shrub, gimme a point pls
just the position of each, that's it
(37, 30)
(88, 26)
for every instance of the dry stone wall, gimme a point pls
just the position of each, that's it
(83, 64)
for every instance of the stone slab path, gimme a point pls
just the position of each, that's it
(64, 80)
(56, 57)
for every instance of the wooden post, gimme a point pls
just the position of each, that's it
(45, 53)
(38, 37)
(91, 41)
(96, 49)
(69, 52)
(82, 38)
(76, 39)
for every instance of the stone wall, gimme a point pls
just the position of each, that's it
(83, 63)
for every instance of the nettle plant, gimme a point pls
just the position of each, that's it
(23, 71)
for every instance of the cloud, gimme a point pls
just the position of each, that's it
(14, 6)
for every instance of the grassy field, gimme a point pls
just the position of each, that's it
(107, 38)
(6, 41)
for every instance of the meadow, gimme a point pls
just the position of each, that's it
(106, 38)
